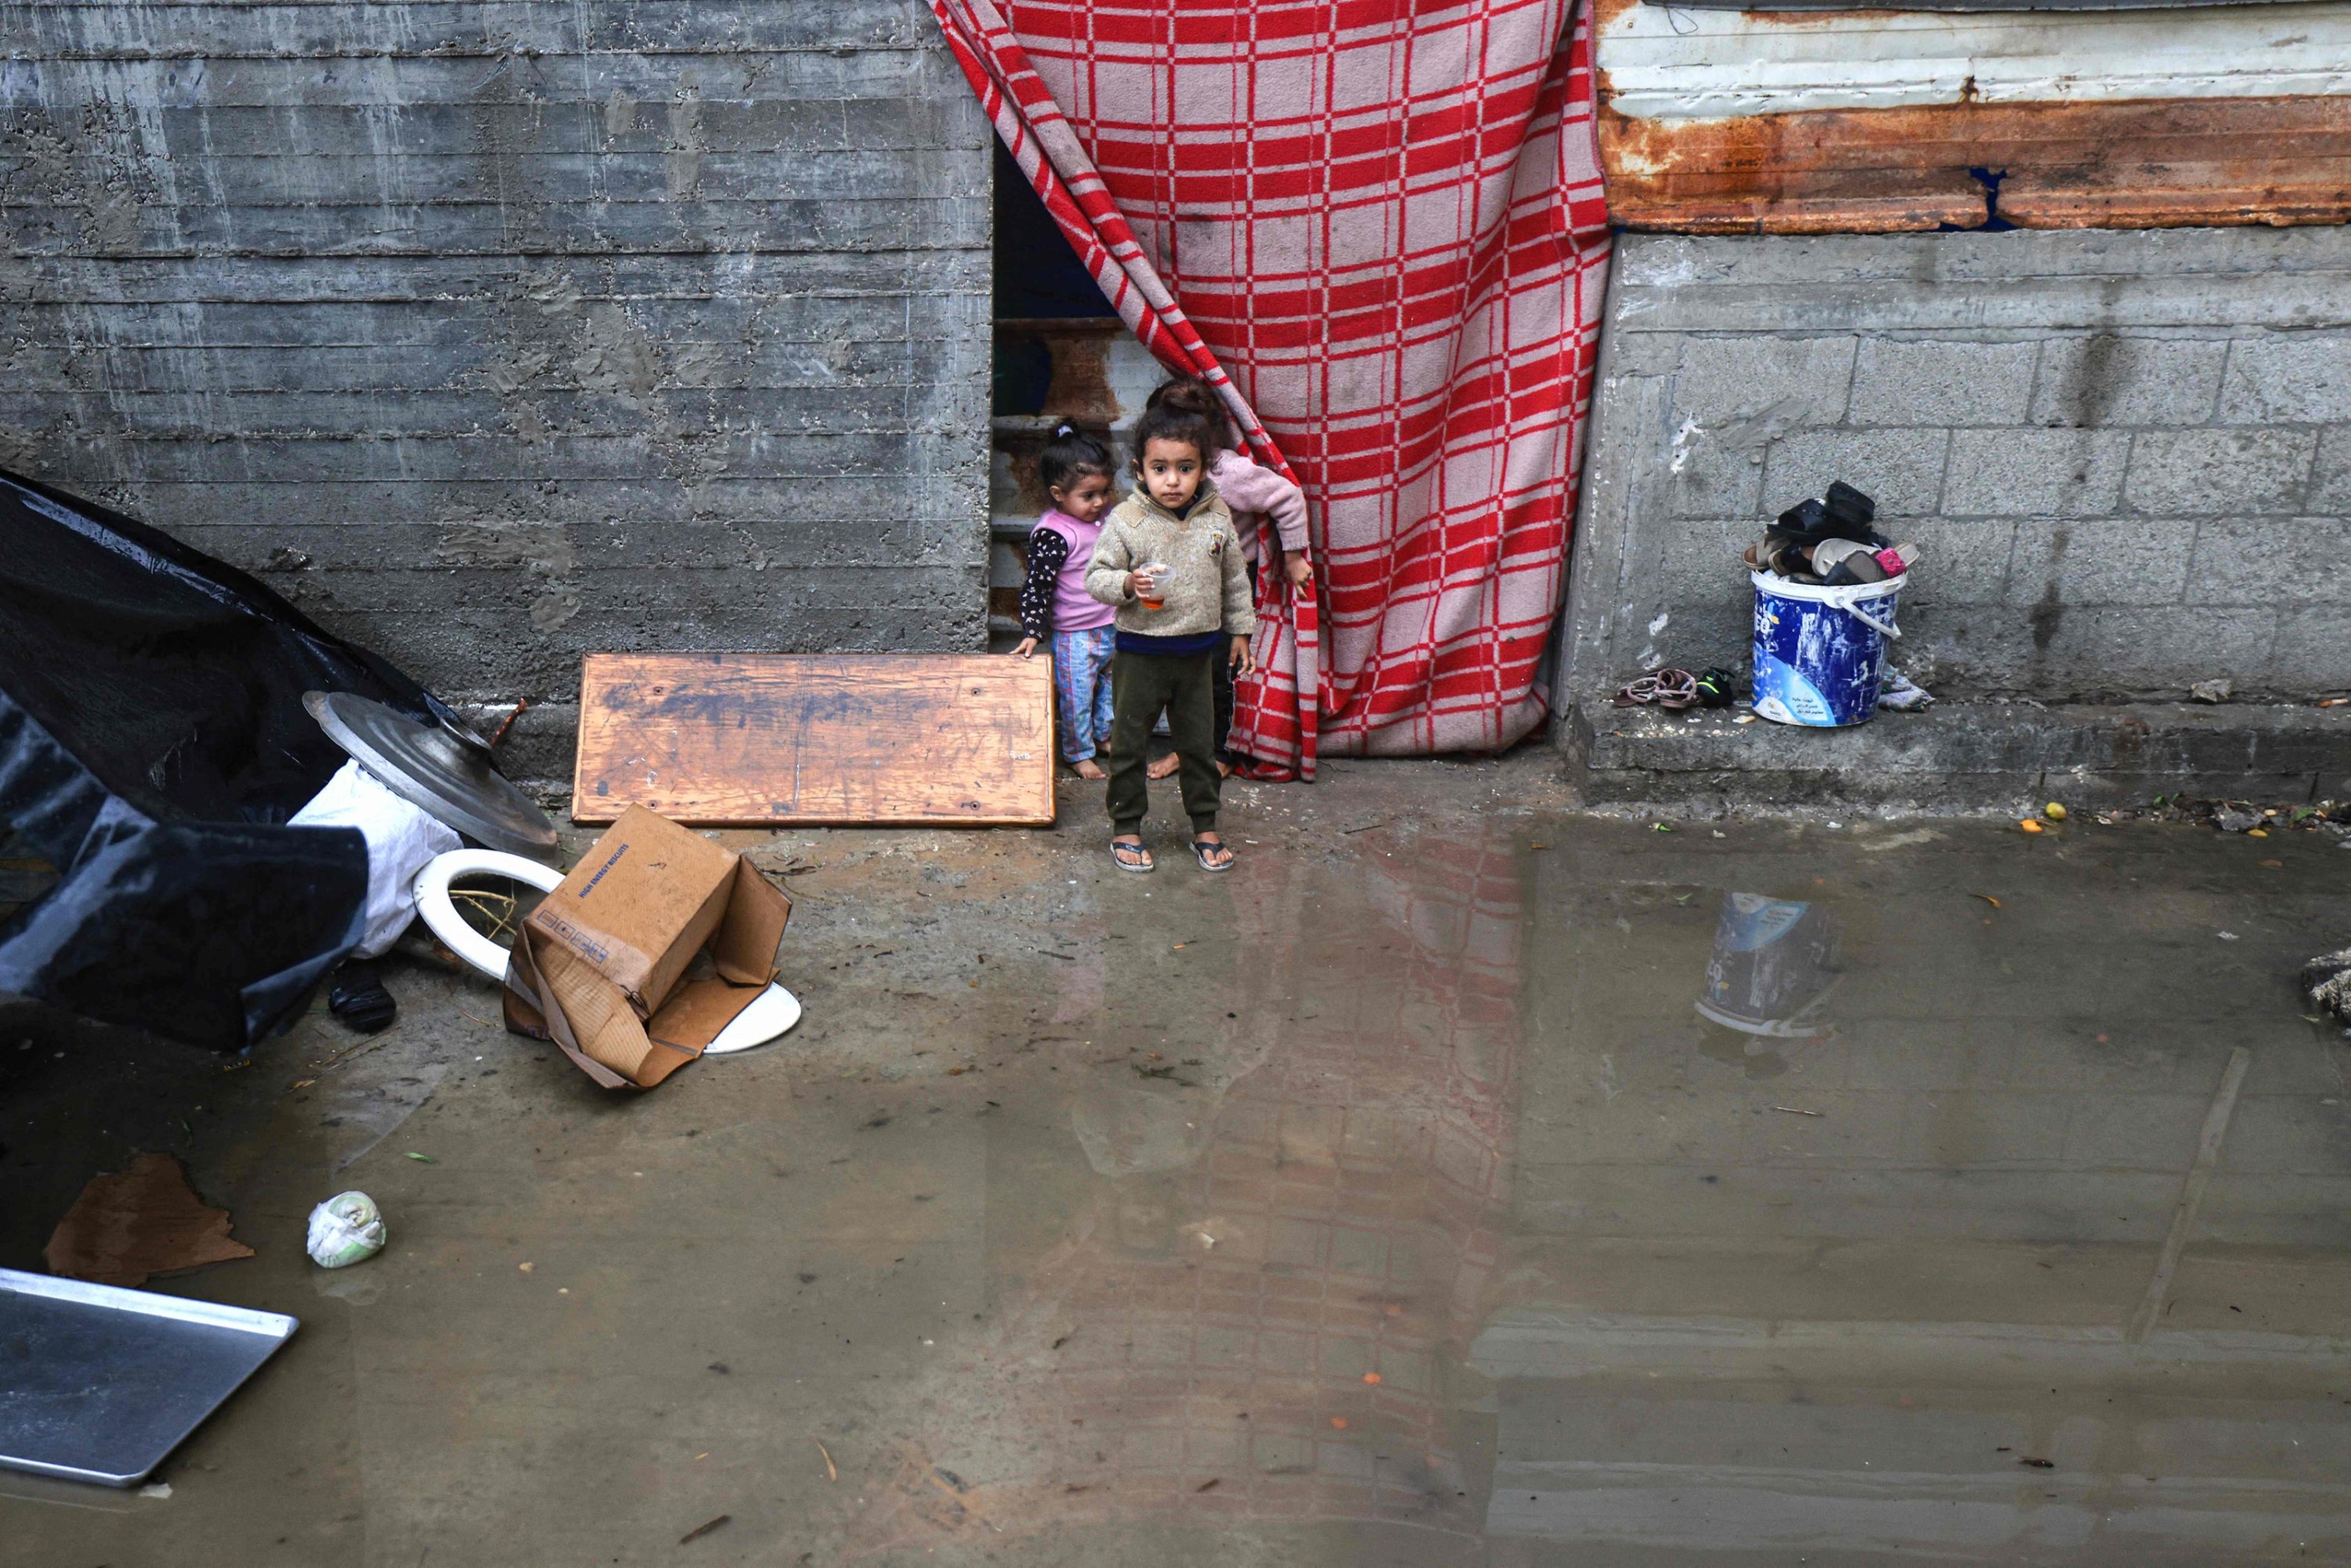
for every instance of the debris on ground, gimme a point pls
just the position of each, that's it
(125, 1228)
(1670, 689)
(347, 1228)
(699, 1530)
(360, 999)
(149, 687)
(1676, 690)
(2327, 982)
(2212, 691)
(2330, 817)
(103, 1382)
(611, 965)
(1900, 692)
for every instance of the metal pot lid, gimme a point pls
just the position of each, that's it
(434, 771)
(469, 740)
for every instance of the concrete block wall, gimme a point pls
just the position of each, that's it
(497, 332)
(2128, 456)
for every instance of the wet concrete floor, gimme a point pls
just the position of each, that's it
(1461, 1180)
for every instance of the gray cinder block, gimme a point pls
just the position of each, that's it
(2126, 454)
(2247, 469)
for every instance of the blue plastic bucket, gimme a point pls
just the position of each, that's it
(1820, 652)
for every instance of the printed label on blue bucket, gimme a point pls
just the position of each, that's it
(1820, 652)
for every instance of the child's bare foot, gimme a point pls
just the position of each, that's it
(1224, 768)
(1089, 769)
(1165, 767)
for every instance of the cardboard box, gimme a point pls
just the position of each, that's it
(608, 966)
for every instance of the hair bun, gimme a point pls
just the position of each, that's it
(1064, 430)
(1189, 395)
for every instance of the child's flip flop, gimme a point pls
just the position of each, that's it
(1130, 857)
(1202, 850)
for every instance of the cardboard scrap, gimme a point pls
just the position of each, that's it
(611, 965)
(147, 1220)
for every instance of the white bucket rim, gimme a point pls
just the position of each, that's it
(1842, 596)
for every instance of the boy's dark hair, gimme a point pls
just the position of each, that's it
(1071, 455)
(1184, 410)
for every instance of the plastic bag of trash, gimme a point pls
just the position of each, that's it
(153, 745)
(345, 1229)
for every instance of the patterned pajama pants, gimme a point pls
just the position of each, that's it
(1081, 674)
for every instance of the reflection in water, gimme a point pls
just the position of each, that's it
(1875, 1310)
(1773, 967)
(1294, 1233)
(1400, 1104)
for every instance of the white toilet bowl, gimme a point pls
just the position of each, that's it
(770, 1014)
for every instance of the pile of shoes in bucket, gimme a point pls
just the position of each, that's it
(1828, 589)
(1831, 542)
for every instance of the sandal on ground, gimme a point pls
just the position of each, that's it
(1672, 690)
(1129, 857)
(1202, 849)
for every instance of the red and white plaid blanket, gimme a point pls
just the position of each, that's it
(1376, 227)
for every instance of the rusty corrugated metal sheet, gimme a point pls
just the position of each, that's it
(2099, 158)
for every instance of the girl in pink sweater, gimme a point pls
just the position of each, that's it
(1056, 609)
(1249, 490)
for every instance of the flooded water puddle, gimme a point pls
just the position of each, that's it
(1497, 1189)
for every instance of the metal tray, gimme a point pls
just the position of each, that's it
(97, 1384)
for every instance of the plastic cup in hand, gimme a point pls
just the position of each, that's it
(1152, 592)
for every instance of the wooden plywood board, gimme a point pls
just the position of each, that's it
(758, 739)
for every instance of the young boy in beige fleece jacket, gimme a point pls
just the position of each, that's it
(1248, 490)
(1165, 656)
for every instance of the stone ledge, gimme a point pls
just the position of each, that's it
(1990, 756)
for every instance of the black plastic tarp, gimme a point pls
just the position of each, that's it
(153, 745)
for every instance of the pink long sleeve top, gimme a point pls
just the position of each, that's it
(1248, 487)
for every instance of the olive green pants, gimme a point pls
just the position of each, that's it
(1139, 686)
